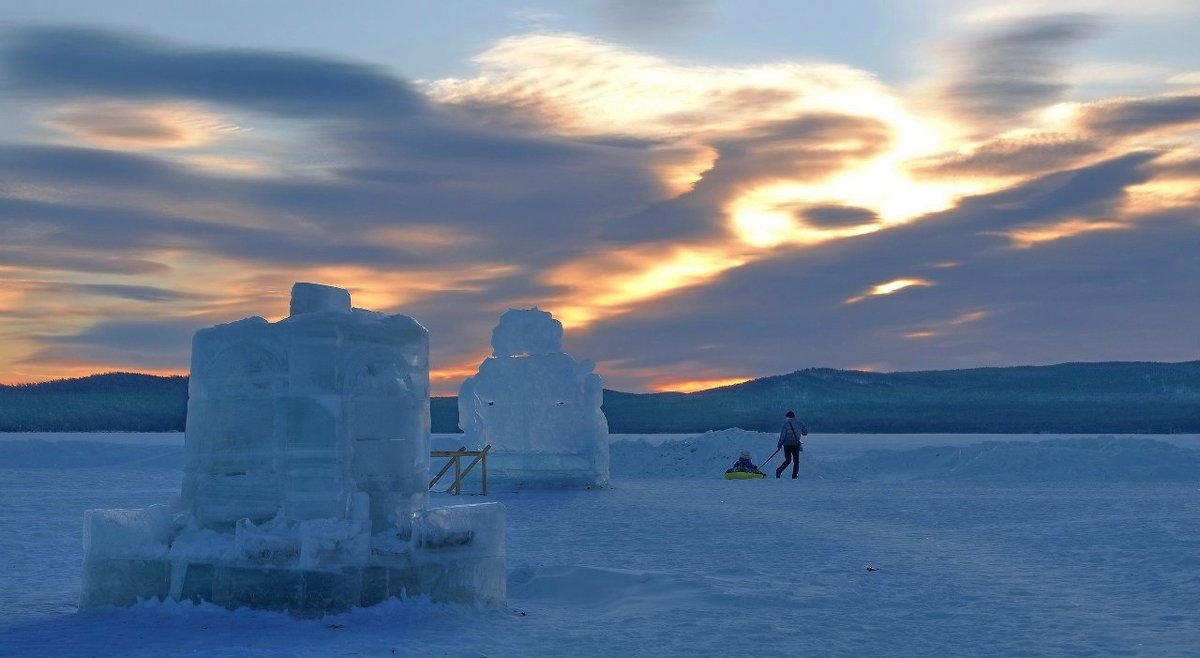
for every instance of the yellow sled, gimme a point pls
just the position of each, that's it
(741, 475)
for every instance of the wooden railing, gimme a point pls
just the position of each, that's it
(460, 472)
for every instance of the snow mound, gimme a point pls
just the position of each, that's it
(702, 455)
(1102, 458)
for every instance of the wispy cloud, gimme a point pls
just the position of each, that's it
(636, 17)
(1018, 68)
(1126, 117)
(80, 62)
(139, 126)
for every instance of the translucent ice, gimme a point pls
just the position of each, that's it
(305, 473)
(536, 406)
(526, 332)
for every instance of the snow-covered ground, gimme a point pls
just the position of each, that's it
(977, 546)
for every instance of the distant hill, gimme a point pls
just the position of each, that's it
(1069, 398)
(1116, 397)
(113, 402)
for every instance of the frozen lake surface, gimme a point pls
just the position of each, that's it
(979, 545)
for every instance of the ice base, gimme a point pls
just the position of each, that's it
(451, 554)
(517, 470)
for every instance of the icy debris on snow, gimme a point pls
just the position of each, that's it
(537, 407)
(305, 476)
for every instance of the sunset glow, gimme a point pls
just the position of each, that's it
(609, 284)
(693, 199)
(691, 386)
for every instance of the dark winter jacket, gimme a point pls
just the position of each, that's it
(791, 433)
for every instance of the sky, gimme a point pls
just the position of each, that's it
(702, 191)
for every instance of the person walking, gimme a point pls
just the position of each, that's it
(789, 440)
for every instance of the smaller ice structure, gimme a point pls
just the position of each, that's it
(537, 407)
(305, 477)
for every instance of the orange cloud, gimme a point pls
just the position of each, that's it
(1031, 236)
(382, 289)
(140, 126)
(889, 288)
(609, 283)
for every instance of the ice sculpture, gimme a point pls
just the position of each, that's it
(537, 407)
(305, 477)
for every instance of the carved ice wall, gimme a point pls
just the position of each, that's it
(306, 467)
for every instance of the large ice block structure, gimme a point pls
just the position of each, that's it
(305, 477)
(537, 407)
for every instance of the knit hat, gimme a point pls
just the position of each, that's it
(745, 454)
(790, 414)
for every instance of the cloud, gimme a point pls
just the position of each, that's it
(995, 300)
(835, 216)
(1003, 13)
(80, 62)
(139, 126)
(51, 257)
(1014, 156)
(120, 291)
(398, 205)
(581, 86)
(1126, 117)
(152, 343)
(633, 16)
(1095, 190)
(1017, 69)
(1187, 78)
(769, 141)
(687, 222)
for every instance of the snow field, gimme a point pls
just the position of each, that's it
(1100, 561)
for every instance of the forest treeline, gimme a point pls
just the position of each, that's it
(1122, 397)
(112, 402)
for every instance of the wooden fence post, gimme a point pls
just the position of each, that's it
(460, 473)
